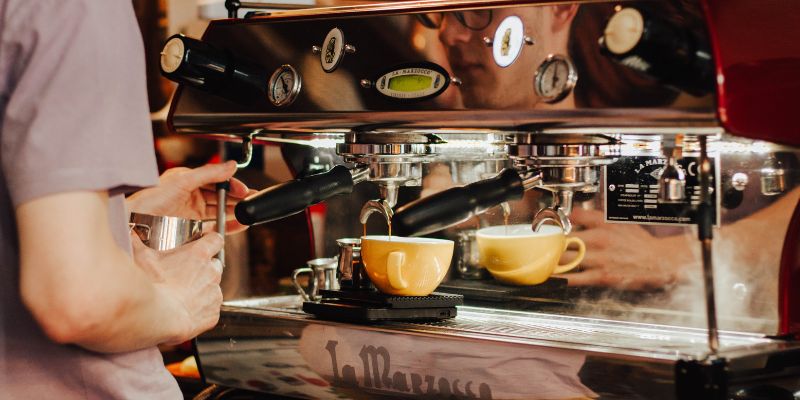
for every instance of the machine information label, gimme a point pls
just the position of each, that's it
(631, 192)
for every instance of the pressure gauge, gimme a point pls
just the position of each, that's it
(555, 78)
(284, 86)
(172, 55)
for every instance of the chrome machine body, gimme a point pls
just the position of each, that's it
(660, 117)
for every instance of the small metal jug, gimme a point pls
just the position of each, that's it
(351, 271)
(165, 233)
(322, 276)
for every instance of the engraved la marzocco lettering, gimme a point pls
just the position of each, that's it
(376, 368)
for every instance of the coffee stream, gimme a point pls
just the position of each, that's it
(390, 230)
(506, 214)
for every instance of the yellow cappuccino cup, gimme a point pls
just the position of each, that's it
(517, 255)
(405, 266)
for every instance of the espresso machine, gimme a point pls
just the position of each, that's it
(660, 132)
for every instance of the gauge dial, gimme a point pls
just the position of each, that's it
(172, 55)
(555, 78)
(284, 86)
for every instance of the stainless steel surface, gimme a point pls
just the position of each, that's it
(393, 159)
(566, 164)
(552, 122)
(164, 232)
(322, 276)
(513, 354)
(623, 339)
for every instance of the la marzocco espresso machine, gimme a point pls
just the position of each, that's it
(662, 133)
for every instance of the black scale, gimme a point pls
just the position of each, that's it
(490, 290)
(373, 306)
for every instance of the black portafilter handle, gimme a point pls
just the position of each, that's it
(292, 197)
(452, 206)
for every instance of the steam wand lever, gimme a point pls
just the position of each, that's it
(224, 187)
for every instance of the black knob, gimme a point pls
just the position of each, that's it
(670, 54)
(291, 197)
(456, 205)
(197, 64)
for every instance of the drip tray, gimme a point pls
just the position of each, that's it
(369, 306)
(493, 291)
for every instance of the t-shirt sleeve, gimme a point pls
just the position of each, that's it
(76, 115)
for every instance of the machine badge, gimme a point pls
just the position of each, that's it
(508, 40)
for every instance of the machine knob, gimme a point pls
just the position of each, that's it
(739, 181)
(623, 31)
(195, 63)
(656, 48)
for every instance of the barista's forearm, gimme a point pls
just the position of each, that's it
(123, 311)
(83, 288)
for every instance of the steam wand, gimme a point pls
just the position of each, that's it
(224, 187)
(705, 234)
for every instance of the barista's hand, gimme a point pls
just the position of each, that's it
(188, 275)
(625, 256)
(190, 193)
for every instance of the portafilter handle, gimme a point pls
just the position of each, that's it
(292, 197)
(456, 205)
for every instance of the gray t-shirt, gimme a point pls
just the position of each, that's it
(73, 116)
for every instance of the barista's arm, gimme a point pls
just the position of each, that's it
(83, 289)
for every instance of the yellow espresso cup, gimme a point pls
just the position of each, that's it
(405, 266)
(517, 255)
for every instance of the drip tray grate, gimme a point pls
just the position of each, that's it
(647, 339)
